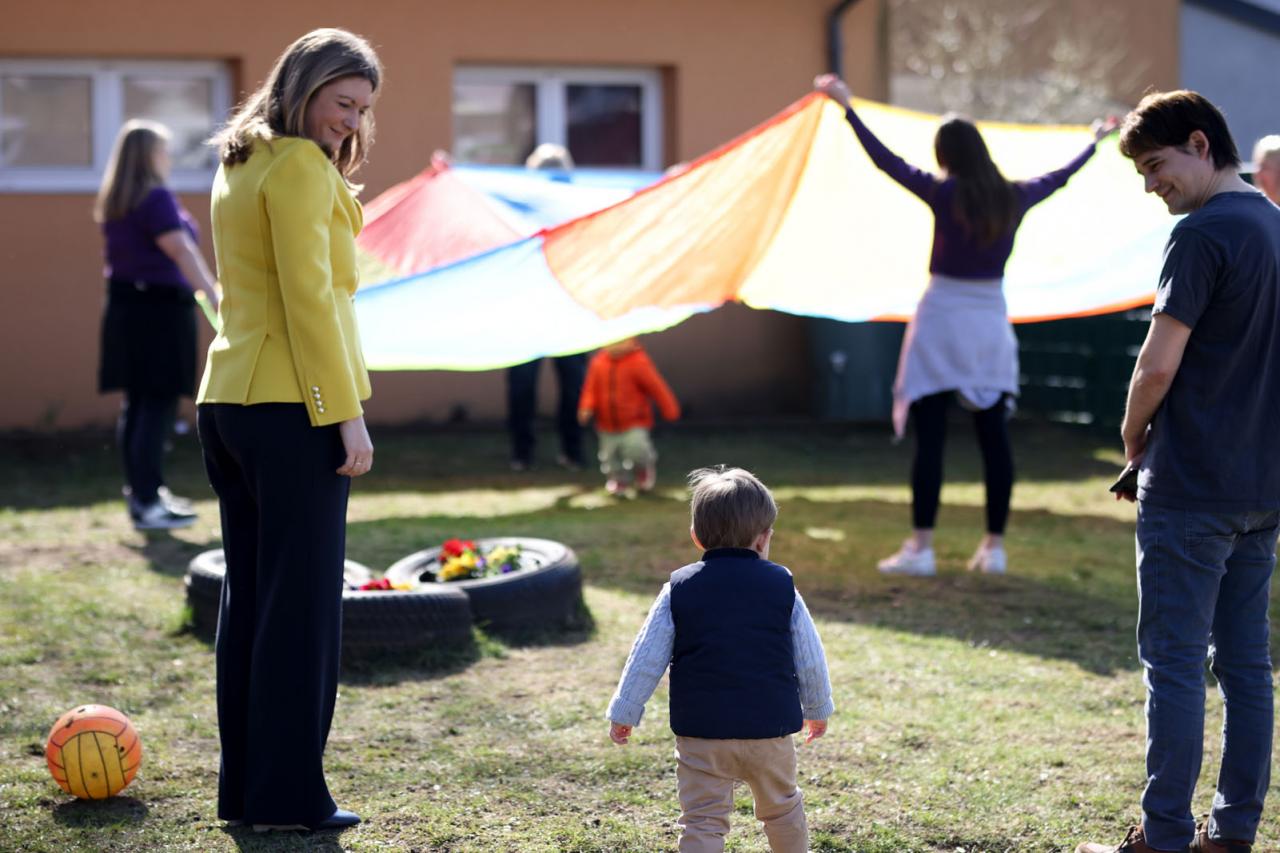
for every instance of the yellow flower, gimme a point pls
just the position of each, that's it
(453, 568)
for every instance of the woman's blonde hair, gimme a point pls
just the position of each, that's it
(279, 106)
(131, 171)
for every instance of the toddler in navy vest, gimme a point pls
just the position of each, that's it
(747, 668)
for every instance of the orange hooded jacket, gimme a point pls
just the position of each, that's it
(619, 389)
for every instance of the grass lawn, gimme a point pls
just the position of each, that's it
(974, 713)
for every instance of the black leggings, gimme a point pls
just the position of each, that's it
(930, 416)
(144, 423)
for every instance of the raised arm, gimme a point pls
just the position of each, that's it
(918, 181)
(1038, 189)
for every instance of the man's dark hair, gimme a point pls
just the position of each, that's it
(730, 507)
(1167, 120)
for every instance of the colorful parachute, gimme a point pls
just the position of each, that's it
(791, 216)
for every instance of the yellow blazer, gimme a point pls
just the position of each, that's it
(284, 228)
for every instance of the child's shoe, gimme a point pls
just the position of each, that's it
(991, 561)
(909, 561)
(646, 477)
(614, 486)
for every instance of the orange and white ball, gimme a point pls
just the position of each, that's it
(93, 752)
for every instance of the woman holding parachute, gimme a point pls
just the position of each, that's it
(960, 340)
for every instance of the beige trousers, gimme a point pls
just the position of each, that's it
(706, 770)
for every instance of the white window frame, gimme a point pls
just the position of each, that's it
(551, 85)
(106, 105)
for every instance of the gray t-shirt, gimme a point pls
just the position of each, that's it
(1215, 441)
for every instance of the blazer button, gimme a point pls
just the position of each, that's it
(315, 388)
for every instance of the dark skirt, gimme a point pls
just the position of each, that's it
(148, 340)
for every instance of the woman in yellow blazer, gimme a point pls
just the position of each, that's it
(281, 423)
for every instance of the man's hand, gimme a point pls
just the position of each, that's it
(584, 417)
(814, 729)
(619, 734)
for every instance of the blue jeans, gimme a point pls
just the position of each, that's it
(1204, 582)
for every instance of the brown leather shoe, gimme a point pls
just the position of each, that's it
(1204, 844)
(1134, 842)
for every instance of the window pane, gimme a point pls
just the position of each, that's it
(182, 104)
(604, 125)
(45, 121)
(493, 122)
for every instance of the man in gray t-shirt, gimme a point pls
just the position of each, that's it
(1200, 425)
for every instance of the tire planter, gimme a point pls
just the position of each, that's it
(545, 593)
(372, 620)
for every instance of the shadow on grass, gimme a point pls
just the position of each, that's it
(112, 811)
(166, 554)
(244, 838)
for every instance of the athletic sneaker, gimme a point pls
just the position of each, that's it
(646, 477)
(179, 505)
(909, 561)
(160, 516)
(991, 561)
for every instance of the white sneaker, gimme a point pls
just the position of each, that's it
(991, 561)
(160, 516)
(909, 561)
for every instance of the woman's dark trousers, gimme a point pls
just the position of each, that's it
(280, 623)
(929, 414)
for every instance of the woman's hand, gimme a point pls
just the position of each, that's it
(619, 733)
(359, 447)
(1102, 128)
(833, 87)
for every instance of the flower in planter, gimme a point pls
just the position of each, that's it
(503, 559)
(460, 559)
(385, 585)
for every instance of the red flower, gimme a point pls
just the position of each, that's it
(456, 547)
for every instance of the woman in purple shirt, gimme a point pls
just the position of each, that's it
(959, 341)
(149, 327)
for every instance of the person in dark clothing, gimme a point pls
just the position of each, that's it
(570, 370)
(149, 329)
(959, 341)
(1199, 428)
(747, 668)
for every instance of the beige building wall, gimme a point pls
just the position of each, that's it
(728, 64)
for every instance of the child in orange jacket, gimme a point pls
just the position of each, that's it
(621, 387)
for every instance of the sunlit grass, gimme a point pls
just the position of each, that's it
(975, 713)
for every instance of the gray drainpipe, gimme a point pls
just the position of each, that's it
(835, 44)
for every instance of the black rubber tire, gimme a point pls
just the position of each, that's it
(546, 596)
(372, 621)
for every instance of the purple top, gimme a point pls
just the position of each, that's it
(132, 253)
(956, 254)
